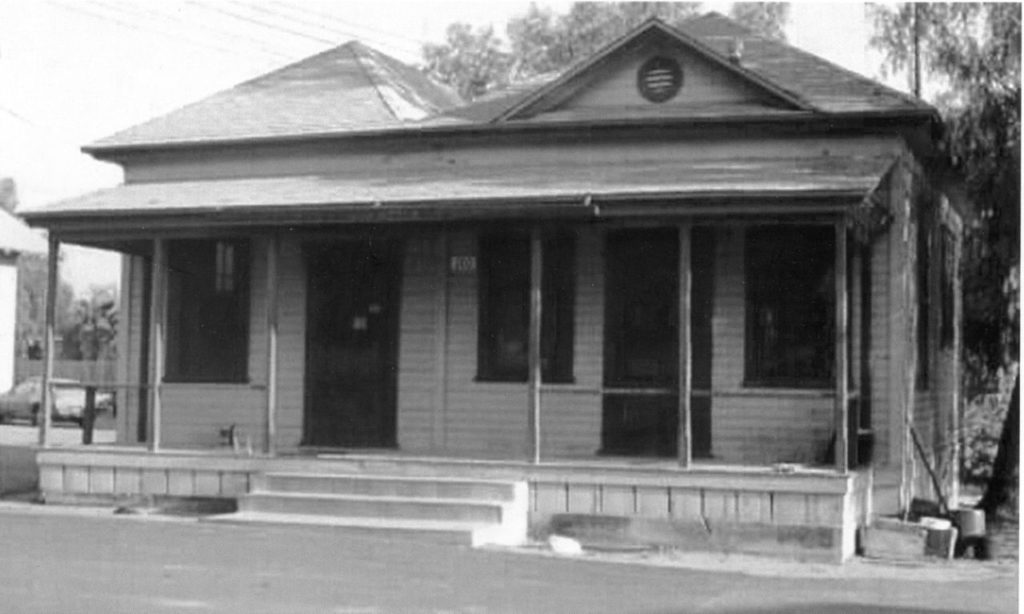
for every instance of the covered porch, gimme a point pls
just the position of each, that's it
(643, 344)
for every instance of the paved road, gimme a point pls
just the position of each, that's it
(63, 563)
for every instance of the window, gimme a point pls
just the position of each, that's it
(503, 349)
(207, 311)
(948, 317)
(790, 299)
(923, 266)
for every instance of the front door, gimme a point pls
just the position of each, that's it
(351, 344)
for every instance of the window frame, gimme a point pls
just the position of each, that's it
(760, 282)
(558, 304)
(197, 277)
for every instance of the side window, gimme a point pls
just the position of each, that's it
(790, 299)
(208, 311)
(947, 324)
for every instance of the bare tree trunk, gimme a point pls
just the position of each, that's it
(1004, 481)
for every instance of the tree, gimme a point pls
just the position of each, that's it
(541, 41)
(92, 330)
(974, 51)
(31, 310)
(766, 18)
(471, 61)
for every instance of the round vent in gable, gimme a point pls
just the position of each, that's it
(659, 79)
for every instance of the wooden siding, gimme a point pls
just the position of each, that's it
(130, 342)
(442, 409)
(704, 85)
(755, 425)
(291, 349)
(194, 414)
(420, 373)
(315, 159)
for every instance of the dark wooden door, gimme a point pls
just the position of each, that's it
(351, 345)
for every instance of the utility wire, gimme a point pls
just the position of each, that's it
(318, 17)
(104, 17)
(402, 48)
(264, 24)
(159, 17)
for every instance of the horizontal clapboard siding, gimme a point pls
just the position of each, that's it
(748, 427)
(291, 343)
(419, 369)
(702, 85)
(442, 409)
(193, 414)
(131, 342)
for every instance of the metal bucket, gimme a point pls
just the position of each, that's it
(971, 522)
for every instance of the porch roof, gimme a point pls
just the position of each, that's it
(468, 193)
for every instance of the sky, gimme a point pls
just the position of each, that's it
(73, 71)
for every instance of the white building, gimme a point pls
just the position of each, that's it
(15, 239)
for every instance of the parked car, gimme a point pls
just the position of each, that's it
(22, 401)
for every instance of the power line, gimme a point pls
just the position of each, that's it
(158, 17)
(409, 43)
(50, 133)
(107, 18)
(402, 48)
(264, 24)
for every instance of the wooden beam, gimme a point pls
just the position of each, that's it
(46, 399)
(157, 322)
(685, 346)
(273, 251)
(536, 270)
(842, 401)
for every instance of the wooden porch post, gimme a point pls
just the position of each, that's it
(685, 348)
(157, 312)
(842, 404)
(273, 248)
(536, 270)
(52, 272)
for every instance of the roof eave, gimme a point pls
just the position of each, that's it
(113, 153)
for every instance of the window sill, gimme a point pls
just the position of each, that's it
(775, 391)
(562, 383)
(212, 385)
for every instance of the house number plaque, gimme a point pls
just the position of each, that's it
(462, 265)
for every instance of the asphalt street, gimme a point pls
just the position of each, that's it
(92, 561)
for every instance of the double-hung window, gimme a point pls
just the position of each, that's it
(208, 310)
(790, 306)
(504, 325)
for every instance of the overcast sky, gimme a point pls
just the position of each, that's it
(73, 71)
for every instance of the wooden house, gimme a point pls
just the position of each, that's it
(700, 277)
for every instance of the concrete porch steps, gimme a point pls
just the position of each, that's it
(459, 510)
(433, 531)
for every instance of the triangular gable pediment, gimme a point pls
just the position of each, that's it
(654, 71)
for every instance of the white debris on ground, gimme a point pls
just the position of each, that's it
(565, 545)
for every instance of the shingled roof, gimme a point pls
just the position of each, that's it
(353, 88)
(350, 87)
